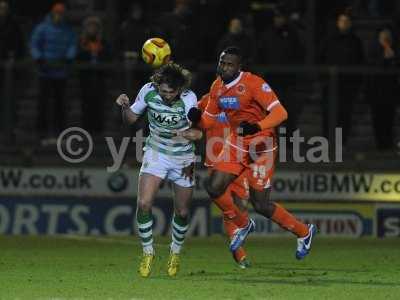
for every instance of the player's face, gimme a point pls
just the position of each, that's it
(167, 93)
(228, 67)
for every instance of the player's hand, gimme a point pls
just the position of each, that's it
(188, 172)
(123, 100)
(194, 115)
(191, 134)
(246, 128)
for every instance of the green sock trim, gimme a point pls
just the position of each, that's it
(181, 221)
(179, 239)
(143, 217)
(148, 239)
(145, 230)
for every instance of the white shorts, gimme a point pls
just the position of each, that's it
(167, 167)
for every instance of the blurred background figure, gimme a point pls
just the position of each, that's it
(342, 48)
(238, 36)
(12, 47)
(280, 46)
(53, 47)
(383, 88)
(93, 49)
(133, 32)
(178, 27)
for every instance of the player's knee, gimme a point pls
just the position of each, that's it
(265, 208)
(182, 213)
(214, 189)
(144, 206)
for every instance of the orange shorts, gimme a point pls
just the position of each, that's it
(257, 167)
(240, 186)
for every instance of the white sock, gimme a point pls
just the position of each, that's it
(175, 248)
(148, 249)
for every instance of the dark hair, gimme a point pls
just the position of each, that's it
(346, 13)
(234, 51)
(172, 74)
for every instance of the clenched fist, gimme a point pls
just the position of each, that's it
(123, 100)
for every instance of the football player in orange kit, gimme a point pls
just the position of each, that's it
(253, 111)
(234, 213)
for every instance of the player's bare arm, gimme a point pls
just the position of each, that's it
(191, 134)
(128, 116)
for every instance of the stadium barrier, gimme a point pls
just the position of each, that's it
(94, 202)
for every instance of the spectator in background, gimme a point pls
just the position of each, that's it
(53, 47)
(343, 48)
(93, 49)
(11, 37)
(179, 30)
(134, 31)
(210, 30)
(280, 45)
(383, 88)
(11, 48)
(238, 37)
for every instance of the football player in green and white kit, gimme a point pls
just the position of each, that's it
(168, 154)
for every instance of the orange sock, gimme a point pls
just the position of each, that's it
(230, 228)
(287, 221)
(242, 217)
(230, 210)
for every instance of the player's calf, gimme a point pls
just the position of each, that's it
(180, 226)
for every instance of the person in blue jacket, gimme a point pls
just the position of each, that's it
(53, 46)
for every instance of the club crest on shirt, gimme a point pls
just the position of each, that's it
(222, 118)
(240, 88)
(265, 87)
(229, 102)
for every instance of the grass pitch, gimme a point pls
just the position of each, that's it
(105, 268)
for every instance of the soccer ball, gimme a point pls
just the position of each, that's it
(156, 52)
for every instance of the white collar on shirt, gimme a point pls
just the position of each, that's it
(232, 83)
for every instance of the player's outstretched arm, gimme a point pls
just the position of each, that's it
(128, 116)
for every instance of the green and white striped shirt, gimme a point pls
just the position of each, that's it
(165, 120)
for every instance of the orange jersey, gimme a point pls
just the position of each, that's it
(247, 98)
(217, 130)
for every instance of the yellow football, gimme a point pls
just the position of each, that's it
(156, 52)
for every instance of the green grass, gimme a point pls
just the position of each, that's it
(65, 268)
